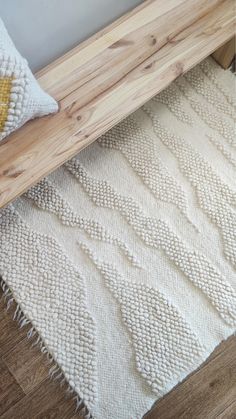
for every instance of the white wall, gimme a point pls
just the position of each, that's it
(43, 29)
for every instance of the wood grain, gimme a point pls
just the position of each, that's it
(10, 335)
(225, 54)
(98, 64)
(47, 401)
(107, 78)
(10, 390)
(25, 363)
(208, 393)
(229, 412)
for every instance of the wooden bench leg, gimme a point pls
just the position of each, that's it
(225, 54)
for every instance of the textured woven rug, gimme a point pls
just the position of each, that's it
(124, 259)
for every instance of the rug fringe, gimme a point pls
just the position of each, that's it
(55, 372)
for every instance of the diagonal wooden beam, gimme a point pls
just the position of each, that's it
(108, 77)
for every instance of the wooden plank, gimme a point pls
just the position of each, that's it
(46, 401)
(99, 63)
(225, 54)
(10, 332)
(28, 365)
(10, 391)
(207, 392)
(43, 145)
(229, 412)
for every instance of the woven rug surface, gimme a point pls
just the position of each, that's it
(124, 259)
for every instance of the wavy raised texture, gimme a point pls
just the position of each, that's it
(139, 149)
(156, 233)
(47, 197)
(52, 293)
(213, 120)
(164, 345)
(198, 81)
(215, 197)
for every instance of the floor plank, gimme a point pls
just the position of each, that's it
(10, 391)
(10, 334)
(207, 392)
(46, 401)
(27, 364)
(229, 412)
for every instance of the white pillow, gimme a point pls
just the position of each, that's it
(21, 97)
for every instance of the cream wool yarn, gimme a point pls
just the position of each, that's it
(124, 259)
(21, 97)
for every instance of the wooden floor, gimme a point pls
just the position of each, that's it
(26, 392)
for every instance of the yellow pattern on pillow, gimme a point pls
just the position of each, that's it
(5, 91)
(21, 97)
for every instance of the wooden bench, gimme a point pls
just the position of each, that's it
(109, 76)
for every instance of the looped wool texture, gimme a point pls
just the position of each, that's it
(124, 259)
(21, 97)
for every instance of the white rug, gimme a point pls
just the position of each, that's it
(124, 259)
